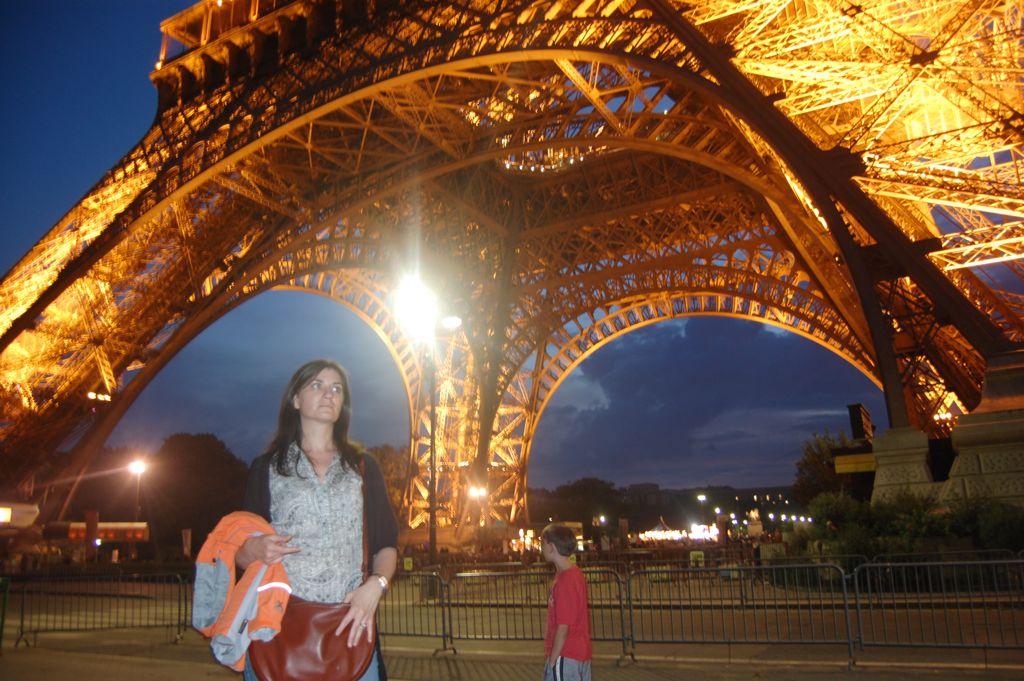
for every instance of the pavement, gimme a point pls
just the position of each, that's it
(154, 654)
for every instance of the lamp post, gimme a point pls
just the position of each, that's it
(137, 467)
(416, 310)
(432, 387)
(702, 498)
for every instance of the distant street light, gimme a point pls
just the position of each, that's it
(137, 467)
(416, 311)
(703, 516)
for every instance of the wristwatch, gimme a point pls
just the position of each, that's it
(383, 581)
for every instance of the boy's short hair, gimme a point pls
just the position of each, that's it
(561, 537)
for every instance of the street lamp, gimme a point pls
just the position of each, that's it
(703, 516)
(416, 310)
(137, 468)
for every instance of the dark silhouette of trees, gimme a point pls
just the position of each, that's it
(190, 482)
(815, 471)
(581, 500)
(910, 523)
(592, 496)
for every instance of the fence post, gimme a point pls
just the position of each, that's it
(629, 603)
(21, 618)
(5, 586)
(445, 597)
(183, 598)
(850, 661)
(859, 573)
(623, 585)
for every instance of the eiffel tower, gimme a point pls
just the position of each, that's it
(561, 173)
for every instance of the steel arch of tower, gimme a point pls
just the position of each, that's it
(843, 171)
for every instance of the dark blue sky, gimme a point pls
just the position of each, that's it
(685, 403)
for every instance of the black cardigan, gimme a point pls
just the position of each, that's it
(381, 527)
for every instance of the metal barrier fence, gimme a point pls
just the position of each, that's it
(957, 556)
(773, 604)
(625, 563)
(512, 606)
(507, 606)
(978, 604)
(49, 604)
(847, 562)
(415, 606)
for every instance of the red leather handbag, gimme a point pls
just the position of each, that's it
(306, 648)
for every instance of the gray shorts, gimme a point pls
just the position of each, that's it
(567, 669)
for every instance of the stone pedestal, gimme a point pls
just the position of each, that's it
(989, 457)
(989, 442)
(901, 465)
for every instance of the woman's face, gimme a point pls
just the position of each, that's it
(322, 398)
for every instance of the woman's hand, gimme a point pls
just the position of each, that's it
(264, 548)
(362, 602)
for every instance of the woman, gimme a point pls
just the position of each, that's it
(308, 486)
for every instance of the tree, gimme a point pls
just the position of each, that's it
(588, 498)
(843, 525)
(588, 489)
(193, 481)
(815, 471)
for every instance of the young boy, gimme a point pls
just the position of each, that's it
(567, 638)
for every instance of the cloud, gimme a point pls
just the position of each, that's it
(582, 392)
(726, 402)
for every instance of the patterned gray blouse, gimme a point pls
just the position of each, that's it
(325, 519)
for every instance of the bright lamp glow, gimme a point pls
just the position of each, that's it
(5, 514)
(416, 309)
(138, 467)
(704, 532)
(451, 322)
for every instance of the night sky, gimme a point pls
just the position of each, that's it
(686, 403)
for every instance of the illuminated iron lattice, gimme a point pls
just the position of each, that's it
(570, 171)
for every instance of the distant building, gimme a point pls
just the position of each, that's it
(15, 515)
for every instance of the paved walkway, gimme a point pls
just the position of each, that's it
(152, 654)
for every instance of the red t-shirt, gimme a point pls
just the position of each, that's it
(567, 604)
